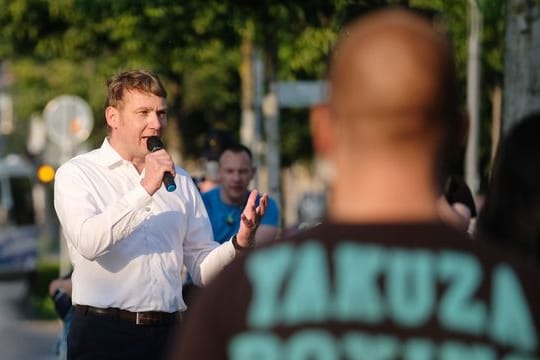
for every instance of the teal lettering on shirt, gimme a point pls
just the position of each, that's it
(458, 310)
(267, 270)
(359, 346)
(410, 287)
(313, 345)
(511, 322)
(307, 294)
(253, 345)
(519, 356)
(419, 349)
(357, 294)
(458, 351)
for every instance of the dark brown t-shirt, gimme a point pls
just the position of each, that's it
(392, 291)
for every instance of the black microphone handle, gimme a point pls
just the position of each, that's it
(168, 181)
(154, 144)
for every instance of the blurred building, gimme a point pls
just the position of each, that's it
(521, 92)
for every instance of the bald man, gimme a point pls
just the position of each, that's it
(383, 277)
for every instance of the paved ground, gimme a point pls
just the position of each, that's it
(23, 338)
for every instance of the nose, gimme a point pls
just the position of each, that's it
(237, 177)
(156, 121)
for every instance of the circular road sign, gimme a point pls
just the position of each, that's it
(68, 120)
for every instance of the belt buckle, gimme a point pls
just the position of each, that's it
(137, 318)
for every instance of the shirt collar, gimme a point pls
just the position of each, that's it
(108, 155)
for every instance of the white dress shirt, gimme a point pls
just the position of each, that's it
(127, 247)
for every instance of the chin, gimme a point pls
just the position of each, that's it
(236, 197)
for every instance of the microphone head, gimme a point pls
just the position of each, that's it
(154, 143)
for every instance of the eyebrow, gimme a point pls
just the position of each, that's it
(149, 108)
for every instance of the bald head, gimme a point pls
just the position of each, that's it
(392, 76)
(390, 118)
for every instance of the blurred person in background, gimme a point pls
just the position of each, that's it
(460, 197)
(216, 141)
(225, 202)
(511, 212)
(457, 205)
(383, 276)
(60, 292)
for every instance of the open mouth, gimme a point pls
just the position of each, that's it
(145, 137)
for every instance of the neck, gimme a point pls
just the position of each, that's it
(382, 190)
(137, 162)
(232, 201)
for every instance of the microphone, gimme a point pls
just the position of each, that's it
(153, 143)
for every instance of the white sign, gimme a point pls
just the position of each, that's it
(68, 120)
(300, 94)
(6, 114)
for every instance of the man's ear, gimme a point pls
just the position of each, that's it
(322, 132)
(111, 116)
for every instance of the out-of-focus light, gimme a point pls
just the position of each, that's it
(45, 173)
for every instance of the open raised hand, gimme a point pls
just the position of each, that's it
(250, 219)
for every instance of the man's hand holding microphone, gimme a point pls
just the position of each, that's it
(159, 167)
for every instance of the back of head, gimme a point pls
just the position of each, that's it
(134, 80)
(393, 79)
(511, 213)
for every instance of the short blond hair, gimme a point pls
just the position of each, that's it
(140, 80)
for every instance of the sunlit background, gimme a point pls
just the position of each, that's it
(247, 69)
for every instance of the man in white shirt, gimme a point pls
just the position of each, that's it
(128, 237)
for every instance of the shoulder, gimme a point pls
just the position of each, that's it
(79, 162)
(185, 180)
(182, 173)
(211, 195)
(271, 215)
(272, 204)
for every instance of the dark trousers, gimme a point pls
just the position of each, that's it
(96, 337)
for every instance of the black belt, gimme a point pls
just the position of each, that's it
(138, 318)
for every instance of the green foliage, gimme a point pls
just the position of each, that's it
(41, 303)
(454, 15)
(43, 308)
(73, 46)
(295, 136)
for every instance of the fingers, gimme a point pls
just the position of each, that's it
(156, 164)
(248, 222)
(55, 284)
(164, 161)
(251, 215)
(160, 162)
(252, 199)
(251, 218)
(263, 203)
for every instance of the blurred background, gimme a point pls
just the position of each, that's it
(236, 69)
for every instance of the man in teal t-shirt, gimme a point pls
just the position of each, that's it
(225, 202)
